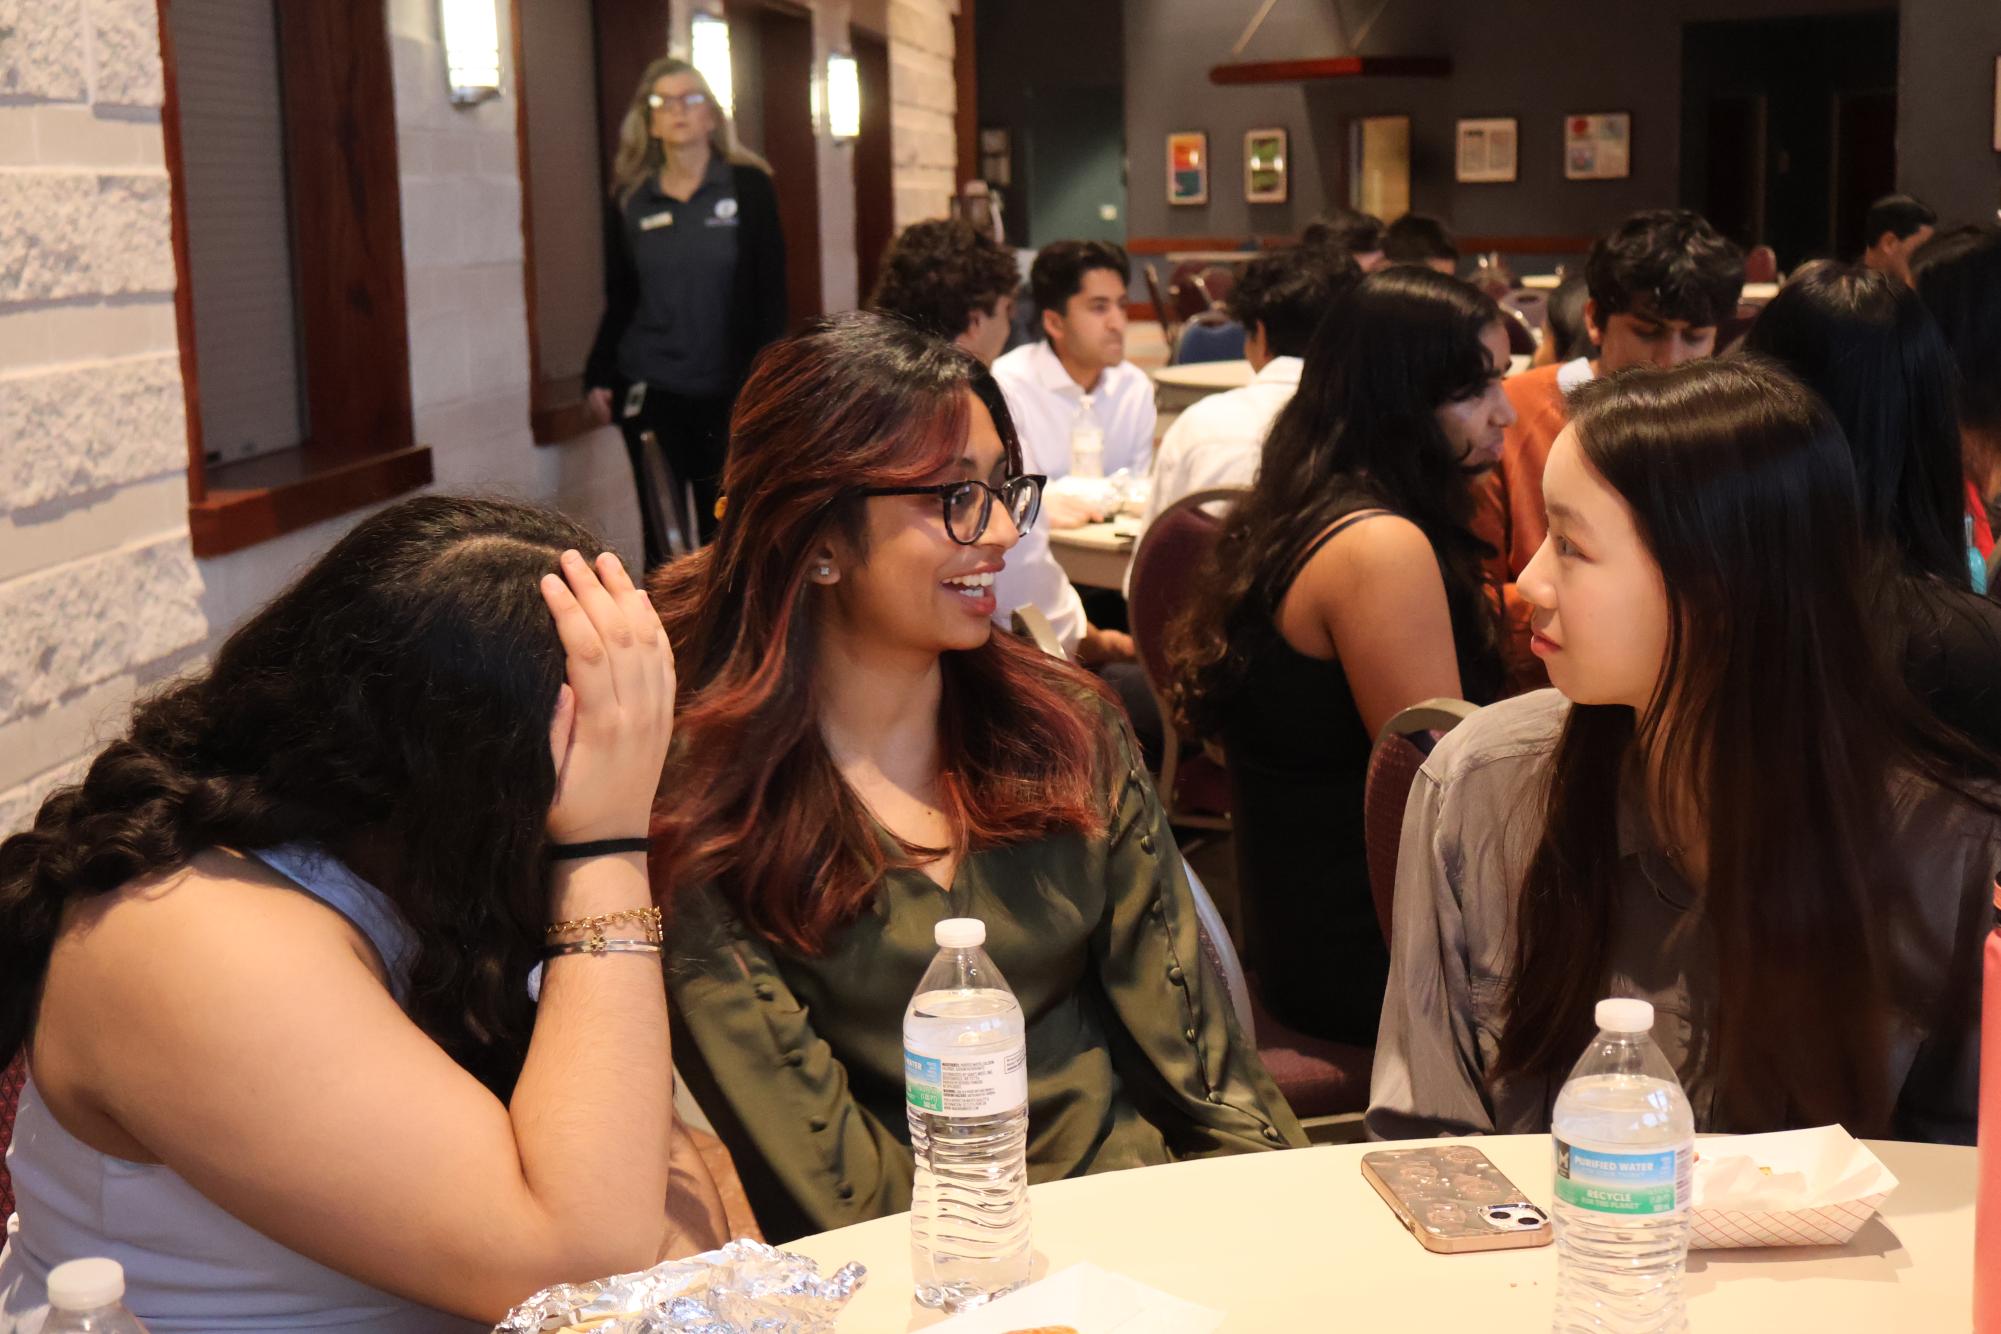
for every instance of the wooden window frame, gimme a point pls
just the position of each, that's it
(557, 411)
(344, 192)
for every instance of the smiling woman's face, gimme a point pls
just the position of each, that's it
(915, 588)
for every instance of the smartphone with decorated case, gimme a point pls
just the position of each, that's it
(1453, 1199)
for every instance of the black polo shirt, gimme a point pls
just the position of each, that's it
(685, 256)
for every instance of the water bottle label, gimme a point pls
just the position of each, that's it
(1622, 1183)
(991, 1084)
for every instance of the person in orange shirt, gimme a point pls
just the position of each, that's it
(1958, 276)
(1660, 285)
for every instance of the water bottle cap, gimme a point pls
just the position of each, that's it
(85, 1285)
(960, 933)
(1625, 1015)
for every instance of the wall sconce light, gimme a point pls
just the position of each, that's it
(709, 52)
(844, 96)
(472, 50)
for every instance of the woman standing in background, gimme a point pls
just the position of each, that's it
(694, 283)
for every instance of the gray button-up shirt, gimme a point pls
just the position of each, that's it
(1474, 819)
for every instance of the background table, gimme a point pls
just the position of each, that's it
(1175, 387)
(1096, 555)
(1210, 256)
(1299, 1241)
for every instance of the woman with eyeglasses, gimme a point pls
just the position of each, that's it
(694, 284)
(860, 755)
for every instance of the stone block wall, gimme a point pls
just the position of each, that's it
(100, 594)
(923, 106)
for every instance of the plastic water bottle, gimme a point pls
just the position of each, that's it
(965, 1077)
(1087, 443)
(1625, 1158)
(88, 1297)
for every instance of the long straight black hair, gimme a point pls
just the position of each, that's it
(1361, 432)
(1866, 344)
(400, 694)
(1782, 711)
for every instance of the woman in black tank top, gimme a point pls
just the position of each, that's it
(1347, 586)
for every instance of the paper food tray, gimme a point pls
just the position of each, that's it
(1840, 1185)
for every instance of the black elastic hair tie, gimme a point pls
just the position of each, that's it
(603, 847)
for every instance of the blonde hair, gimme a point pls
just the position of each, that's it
(640, 154)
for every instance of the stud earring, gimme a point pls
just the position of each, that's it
(823, 570)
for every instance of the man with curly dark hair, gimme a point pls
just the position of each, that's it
(953, 282)
(1658, 287)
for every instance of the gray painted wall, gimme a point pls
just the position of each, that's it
(1945, 106)
(1053, 73)
(1536, 60)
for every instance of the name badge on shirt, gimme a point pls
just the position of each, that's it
(664, 218)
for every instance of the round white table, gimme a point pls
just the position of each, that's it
(1299, 1241)
(1208, 376)
(1096, 555)
(1175, 387)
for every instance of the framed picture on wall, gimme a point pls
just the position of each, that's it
(1997, 104)
(1486, 153)
(1266, 171)
(1188, 167)
(1598, 147)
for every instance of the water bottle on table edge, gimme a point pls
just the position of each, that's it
(965, 1075)
(88, 1297)
(1624, 1140)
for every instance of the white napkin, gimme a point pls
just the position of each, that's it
(1787, 1170)
(1092, 1301)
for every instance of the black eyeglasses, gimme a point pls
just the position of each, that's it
(970, 505)
(686, 101)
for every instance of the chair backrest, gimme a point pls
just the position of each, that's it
(1185, 290)
(1210, 336)
(1162, 309)
(1400, 751)
(1761, 265)
(12, 1079)
(1531, 305)
(1030, 623)
(1219, 280)
(1173, 549)
(1731, 332)
(1222, 952)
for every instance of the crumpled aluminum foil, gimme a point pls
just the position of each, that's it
(744, 1288)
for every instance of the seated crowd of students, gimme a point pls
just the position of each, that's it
(303, 969)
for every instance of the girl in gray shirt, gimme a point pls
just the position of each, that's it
(1733, 808)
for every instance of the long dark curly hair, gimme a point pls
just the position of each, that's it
(1361, 433)
(397, 698)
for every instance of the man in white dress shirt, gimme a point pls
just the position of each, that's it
(1219, 440)
(1074, 385)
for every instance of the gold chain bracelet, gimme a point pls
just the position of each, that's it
(648, 919)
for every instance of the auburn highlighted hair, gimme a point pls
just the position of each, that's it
(752, 801)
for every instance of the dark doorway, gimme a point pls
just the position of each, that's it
(772, 52)
(875, 195)
(1076, 164)
(1789, 128)
(630, 35)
